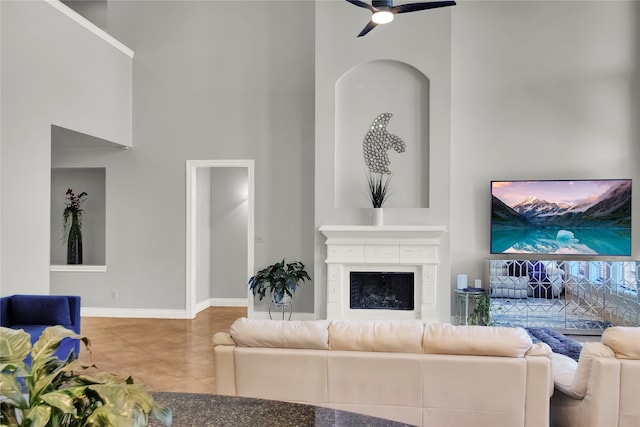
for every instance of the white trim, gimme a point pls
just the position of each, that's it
(78, 268)
(137, 313)
(81, 20)
(149, 313)
(382, 248)
(190, 290)
(191, 306)
(221, 302)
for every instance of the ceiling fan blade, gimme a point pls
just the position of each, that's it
(413, 7)
(370, 26)
(362, 4)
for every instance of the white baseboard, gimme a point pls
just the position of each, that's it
(137, 313)
(151, 313)
(221, 302)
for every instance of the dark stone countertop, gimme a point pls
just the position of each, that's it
(200, 410)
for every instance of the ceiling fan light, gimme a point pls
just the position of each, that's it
(382, 17)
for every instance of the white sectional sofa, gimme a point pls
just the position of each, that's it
(407, 371)
(603, 388)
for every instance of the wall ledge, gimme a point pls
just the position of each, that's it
(75, 16)
(78, 268)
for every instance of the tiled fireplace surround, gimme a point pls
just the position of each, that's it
(382, 249)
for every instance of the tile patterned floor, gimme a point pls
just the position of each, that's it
(163, 354)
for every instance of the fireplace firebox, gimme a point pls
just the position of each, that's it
(370, 290)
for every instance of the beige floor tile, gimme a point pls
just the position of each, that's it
(163, 354)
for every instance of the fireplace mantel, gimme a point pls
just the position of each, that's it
(369, 232)
(384, 248)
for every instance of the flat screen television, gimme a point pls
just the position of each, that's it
(561, 217)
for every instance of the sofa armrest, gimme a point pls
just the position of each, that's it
(223, 338)
(74, 312)
(623, 341)
(224, 361)
(539, 385)
(5, 320)
(540, 349)
(591, 352)
(599, 406)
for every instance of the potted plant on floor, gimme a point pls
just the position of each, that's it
(53, 392)
(280, 279)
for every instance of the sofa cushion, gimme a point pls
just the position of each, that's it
(40, 310)
(563, 369)
(395, 336)
(475, 340)
(624, 341)
(311, 334)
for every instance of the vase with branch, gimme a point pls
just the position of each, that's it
(72, 216)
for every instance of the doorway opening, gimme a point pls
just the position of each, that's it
(220, 234)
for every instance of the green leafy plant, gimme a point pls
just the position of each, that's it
(280, 279)
(481, 313)
(378, 188)
(53, 392)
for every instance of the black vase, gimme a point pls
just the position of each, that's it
(74, 242)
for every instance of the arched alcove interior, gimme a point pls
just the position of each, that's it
(362, 94)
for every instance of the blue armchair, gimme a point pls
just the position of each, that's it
(34, 313)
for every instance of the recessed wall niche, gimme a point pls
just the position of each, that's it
(362, 94)
(92, 181)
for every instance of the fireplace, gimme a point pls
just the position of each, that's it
(376, 290)
(402, 259)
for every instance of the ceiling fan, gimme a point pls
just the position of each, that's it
(383, 10)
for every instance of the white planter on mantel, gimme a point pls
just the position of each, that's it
(378, 217)
(401, 248)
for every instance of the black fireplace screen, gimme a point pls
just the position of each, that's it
(381, 290)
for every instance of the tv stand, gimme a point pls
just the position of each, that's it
(564, 294)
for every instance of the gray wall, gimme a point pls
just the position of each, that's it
(94, 10)
(540, 90)
(229, 216)
(518, 90)
(51, 73)
(212, 80)
(221, 234)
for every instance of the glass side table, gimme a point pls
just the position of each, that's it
(466, 302)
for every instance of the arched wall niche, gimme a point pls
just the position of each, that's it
(362, 94)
